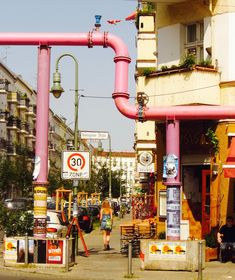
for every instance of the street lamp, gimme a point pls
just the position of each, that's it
(110, 164)
(57, 90)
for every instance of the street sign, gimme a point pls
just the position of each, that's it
(75, 165)
(98, 135)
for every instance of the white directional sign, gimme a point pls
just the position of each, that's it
(89, 135)
(75, 165)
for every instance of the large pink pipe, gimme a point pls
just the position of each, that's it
(122, 60)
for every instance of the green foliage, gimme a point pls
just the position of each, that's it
(162, 235)
(148, 7)
(145, 71)
(213, 140)
(15, 222)
(205, 63)
(211, 239)
(99, 181)
(165, 68)
(17, 174)
(188, 61)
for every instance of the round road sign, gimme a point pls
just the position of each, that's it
(76, 162)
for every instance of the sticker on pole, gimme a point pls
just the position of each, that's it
(75, 165)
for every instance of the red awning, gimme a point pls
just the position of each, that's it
(229, 167)
(132, 16)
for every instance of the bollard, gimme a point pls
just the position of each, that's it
(26, 255)
(199, 277)
(129, 273)
(4, 240)
(67, 254)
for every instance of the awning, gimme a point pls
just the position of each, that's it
(229, 167)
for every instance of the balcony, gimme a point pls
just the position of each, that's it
(4, 86)
(11, 149)
(31, 133)
(52, 129)
(52, 147)
(182, 86)
(3, 144)
(13, 123)
(31, 110)
(3, 116)
(24, 104)
(24, 128)
(13, 97)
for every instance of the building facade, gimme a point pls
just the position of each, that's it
(18, 124)
(185, 57)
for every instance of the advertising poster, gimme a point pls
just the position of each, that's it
(10, 249)
(161, 250)
(170, 166)
(55, 251)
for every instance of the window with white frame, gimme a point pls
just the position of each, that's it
(194, 40)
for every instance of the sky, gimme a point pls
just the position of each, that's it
(97, 111)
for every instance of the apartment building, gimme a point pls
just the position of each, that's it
(18, 122)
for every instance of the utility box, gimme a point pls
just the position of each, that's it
(171, 255)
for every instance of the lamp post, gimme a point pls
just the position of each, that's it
(110, 163)
(57, 90)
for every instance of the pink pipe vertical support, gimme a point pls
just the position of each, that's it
(43, 111)
(172, 183)
(41, 151)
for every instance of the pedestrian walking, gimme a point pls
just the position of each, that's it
(106, 222)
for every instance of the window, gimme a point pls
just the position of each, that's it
(194, 40)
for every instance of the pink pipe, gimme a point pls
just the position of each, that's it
(42, 120)
(122, 60)
(173, 112)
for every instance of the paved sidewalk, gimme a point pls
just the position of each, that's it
(110, 265)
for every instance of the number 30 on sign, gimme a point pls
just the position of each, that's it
(75, 165)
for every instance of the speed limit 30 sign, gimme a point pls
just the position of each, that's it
(75, 165)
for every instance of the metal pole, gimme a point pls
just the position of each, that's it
(129, 258)
(67, 254)
(199, 277)
(26, 258)
(76, 132)
(110, 168)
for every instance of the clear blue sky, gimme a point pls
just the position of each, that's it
(96, 66)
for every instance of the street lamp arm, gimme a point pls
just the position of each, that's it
(76, 141)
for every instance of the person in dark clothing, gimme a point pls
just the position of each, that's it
(226, 238)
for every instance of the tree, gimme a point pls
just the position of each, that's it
(15, 174)
(17, 222)
(99, 181)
